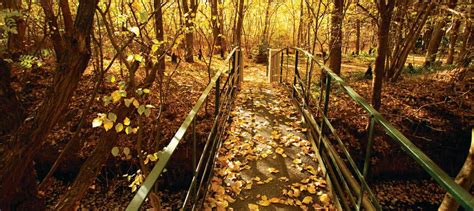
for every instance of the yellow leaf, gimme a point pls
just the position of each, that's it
(297, 161)
(119, 127)
(126, 121)
(264, 201)
(108, 124)
(279, 150)
(272, 170)
(307, 200)
(135, 103)
(324, 198)
(97, 122)
(116, 96)
(253, 207)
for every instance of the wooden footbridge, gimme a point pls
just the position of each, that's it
(273, 147)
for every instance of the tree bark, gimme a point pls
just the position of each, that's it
(452, 40)
(385, 12)
(216, 27)
(240, 21)
(15, 42)
(465, 179)
(401, 54)
(91, 168)
(300, 39)
(17, 152)
(10, 108)
(357, 37)
(190, 10)
(335, 44)
(437, 36)
(465, 54)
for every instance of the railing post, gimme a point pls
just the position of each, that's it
(370, 143)
(325, 109)
(194, 147)
(294, 75)
(326, 97)
(281, 66)
(308, 86)
(287, 63)
(216, 110)
(239, 66)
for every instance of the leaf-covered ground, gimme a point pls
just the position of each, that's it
(266, 161)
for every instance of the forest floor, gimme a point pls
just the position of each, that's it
(266, 162)
(432, 108)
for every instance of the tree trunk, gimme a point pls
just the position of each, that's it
(216, 27)
(190, 10)
(240, 21)
(437, 36)
(16, 41)
(385, 11)
(160, 66)
(465, 179)
(465, 54)
(433, 46)
(300, 39)
(401, 55)
(452, 40)
(335, 44)
(357, 37)
(10, 107)
(91, 168)
(18, 151)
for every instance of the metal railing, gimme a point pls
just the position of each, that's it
(224, 96)
(348, 180)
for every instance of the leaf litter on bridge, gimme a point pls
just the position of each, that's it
(266, 162)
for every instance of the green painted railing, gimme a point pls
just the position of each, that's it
(224, 95)
(343, 171)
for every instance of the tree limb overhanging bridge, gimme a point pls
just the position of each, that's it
(309, 161)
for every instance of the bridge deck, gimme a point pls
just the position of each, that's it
(266, 162)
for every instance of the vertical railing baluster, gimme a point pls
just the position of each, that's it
(325, 109)
(281, 66)
(326, 97)
(308, 86)
(370, 143)
(239, 67)
(216, 110)
(194, 146)
(294, 75)
(287, 63)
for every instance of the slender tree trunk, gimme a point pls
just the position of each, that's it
(216, 27)
(465, 179)
(240, 21)
(437, 36)
(91, 168)
(16, 41)
(18, 152)
(159, 67)
(385, 11)
(190, 10)
(452, 40)
(335, 44)
(401, 55)
(357, 37)
(300, 39)
(465, 54)
(10, 108)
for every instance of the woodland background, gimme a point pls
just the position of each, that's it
(70, 68)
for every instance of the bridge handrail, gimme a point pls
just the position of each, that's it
(463, 197)
(168, 151)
